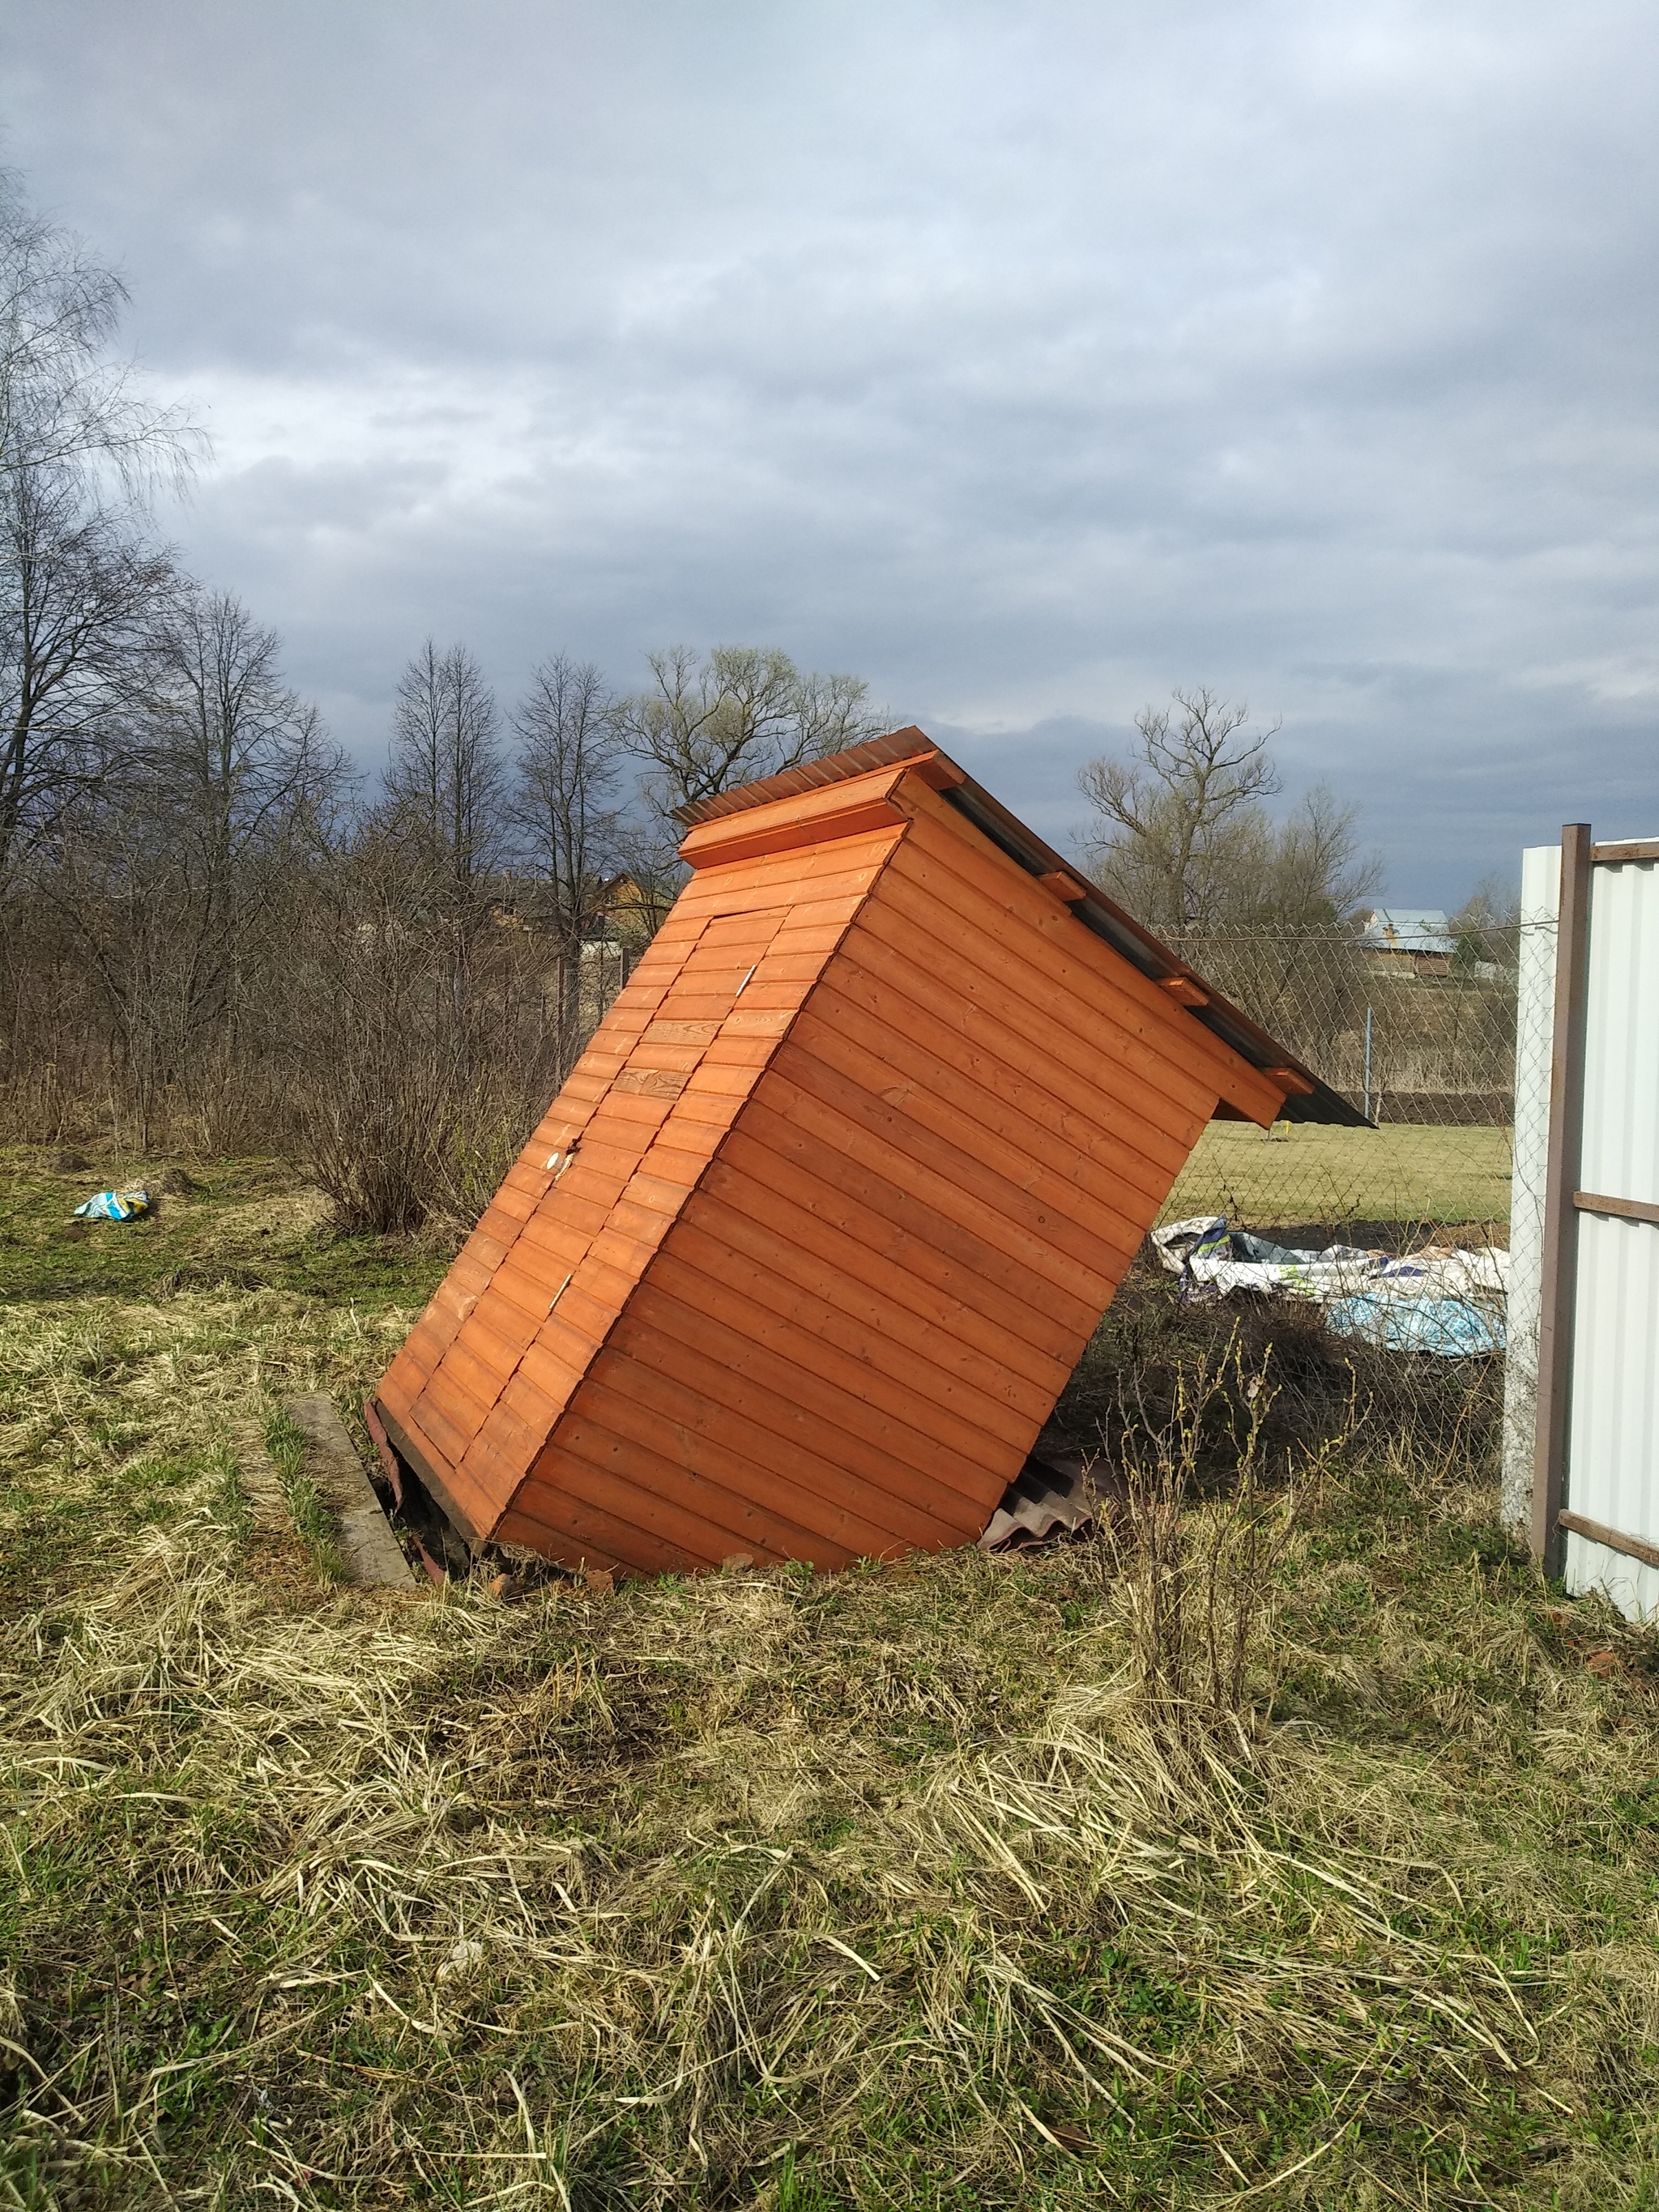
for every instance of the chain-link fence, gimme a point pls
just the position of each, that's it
(1416, 1344)
(1423, 1043)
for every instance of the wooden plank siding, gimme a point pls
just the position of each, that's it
(495, 1360)
(799, 1259)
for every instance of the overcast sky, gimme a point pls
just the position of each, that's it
(1028, 359)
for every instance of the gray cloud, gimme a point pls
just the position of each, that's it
(1030, 361)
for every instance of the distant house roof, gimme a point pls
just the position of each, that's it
(1408, 929)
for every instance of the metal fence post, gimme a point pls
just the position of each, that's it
(1368, 1064)
(1560, 1271)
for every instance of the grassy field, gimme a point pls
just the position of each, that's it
(1305, 1173)
(914, 1887)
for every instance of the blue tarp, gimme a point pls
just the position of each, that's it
(1439, 1299)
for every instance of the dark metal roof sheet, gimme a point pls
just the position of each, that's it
(1062, 1490)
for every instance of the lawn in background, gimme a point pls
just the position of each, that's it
(1302, 1172)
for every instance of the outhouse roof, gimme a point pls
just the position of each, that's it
(1090, 906)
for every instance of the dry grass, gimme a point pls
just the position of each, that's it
(886, 1882)
(793, 1890)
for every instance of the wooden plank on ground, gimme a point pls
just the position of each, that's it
(373, 1553)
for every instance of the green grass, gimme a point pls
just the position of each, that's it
(888, 1888)
(138, 1360)
(247, 1225)
(1305, 1173)
(312, 1515)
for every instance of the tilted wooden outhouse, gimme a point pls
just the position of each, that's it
(803, 1254)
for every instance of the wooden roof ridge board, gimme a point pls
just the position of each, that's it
(1203, 1003)
(906, 744)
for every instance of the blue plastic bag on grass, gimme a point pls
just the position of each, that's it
(114, 1205)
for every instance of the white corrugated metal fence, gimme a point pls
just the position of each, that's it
(1604, 1470)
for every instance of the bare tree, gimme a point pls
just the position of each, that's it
(1311, 874)
(1486, 925)
(80, 593)
(1169, 813)
(648, 852)
(567, 769)
(710, 721)
(79, 445)
(444, 782)
(178, 866)
(63, 402)
(1186, 844)
(241, 763)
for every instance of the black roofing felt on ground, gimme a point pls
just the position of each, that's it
(1094, 910)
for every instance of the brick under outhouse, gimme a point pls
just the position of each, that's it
(803, 1254)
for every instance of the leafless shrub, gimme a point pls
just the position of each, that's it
(489, 1123)
(373, 1133)
(1198, 1579)
(230, 1103)
(418, 1080)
